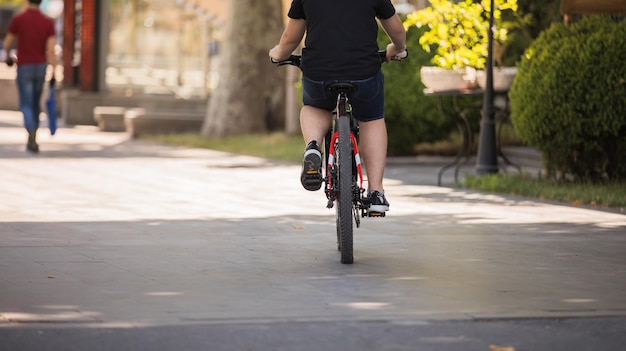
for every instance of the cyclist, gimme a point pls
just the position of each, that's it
(341, 45)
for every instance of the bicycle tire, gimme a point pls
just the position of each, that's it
(344, 200)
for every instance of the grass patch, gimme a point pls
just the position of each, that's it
(449, 147)
(275, 146)
(575, 193)
(452, 145)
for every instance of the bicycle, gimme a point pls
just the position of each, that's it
(343, 174)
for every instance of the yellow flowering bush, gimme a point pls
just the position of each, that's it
(458, 31)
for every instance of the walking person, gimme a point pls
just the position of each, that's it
(35, 36)
(341, 45)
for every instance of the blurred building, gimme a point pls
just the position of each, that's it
(140, 46)
(130, 52)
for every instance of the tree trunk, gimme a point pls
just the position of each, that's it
(250, 95)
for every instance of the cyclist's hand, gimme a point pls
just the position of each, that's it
(274, 54)
(9, 61)
(393, 54)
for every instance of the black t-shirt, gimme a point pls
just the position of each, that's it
(340, 37)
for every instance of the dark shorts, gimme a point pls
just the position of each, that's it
(368, 101)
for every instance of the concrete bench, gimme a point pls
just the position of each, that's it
(110, 118)
(141, 121)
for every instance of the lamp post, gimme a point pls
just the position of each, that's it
(487, 160)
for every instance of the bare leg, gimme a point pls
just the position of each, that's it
(373, 147)
(314, 123)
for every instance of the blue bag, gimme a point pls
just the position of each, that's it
(51, 106)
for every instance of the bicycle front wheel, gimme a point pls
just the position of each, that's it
(344, 200)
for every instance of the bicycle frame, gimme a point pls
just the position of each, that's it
(342, 111)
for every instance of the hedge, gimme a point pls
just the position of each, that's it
(569, 99)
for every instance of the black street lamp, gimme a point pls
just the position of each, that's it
(487, 160)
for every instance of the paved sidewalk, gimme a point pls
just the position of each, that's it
(99, 231)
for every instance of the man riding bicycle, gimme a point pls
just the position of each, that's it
(341, 45)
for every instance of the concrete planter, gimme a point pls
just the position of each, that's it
(442, 79)
(502, 78)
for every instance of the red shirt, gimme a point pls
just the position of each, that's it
(32, 30)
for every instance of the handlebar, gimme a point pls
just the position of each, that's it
(293, 60)
(401, 56)
(296, 60)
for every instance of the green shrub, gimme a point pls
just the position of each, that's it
(569, 99)
(411, 117)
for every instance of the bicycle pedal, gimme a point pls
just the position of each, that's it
(376, 214)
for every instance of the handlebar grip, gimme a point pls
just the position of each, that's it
(404, 54)
(399, 57)
(293, 60)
